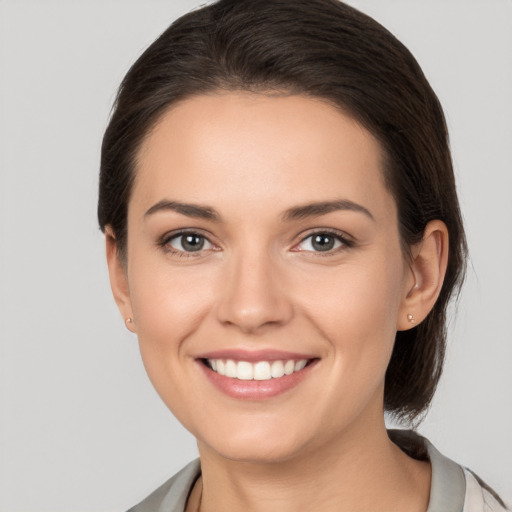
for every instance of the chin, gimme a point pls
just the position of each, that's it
(258, 453)
(255, 441)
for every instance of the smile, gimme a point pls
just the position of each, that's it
(260, 370)
(255, 374)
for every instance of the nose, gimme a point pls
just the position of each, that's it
(254, 296)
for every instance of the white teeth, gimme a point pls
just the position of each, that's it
(262, 370)
(299, 365)
(244, 370)
(221, 367)
(277, 369)
(289, 366)
(231, 369)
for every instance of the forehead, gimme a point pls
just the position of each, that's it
(259, 148)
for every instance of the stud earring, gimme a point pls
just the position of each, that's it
(410, 318)
(129, 320)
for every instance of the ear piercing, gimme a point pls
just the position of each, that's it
(129, 324)
(410, 318)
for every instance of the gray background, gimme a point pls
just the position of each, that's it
(81, 427)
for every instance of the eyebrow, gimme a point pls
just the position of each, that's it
(296, 213)
(190, 210)
(323, 208)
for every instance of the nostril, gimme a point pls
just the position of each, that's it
(253, 299)
(267, 313)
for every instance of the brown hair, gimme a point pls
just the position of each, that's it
(325, 49)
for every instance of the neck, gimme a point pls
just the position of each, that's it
(359, 471)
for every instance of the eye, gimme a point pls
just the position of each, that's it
(188, 242)
(322, 242)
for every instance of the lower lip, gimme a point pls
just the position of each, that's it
(255, 389)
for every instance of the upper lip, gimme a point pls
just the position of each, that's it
(253, 356)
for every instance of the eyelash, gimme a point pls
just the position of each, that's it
(168, 238)
(342, 238)
(339, 236)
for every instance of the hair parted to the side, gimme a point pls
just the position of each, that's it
(328, 50)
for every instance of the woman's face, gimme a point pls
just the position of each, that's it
(260, 232)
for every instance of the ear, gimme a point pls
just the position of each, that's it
(118, 279)
(426, 275)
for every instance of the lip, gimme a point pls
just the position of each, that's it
(255, 389)
(253, 356)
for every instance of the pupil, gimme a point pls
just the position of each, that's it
(323, 242)
(192, 242)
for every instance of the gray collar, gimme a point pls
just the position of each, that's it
(447, 490)
(448, 487)
(172, 496)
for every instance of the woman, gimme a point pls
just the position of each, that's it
(283, 235)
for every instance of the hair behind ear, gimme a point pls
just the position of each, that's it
(416, 363)
(118, 278)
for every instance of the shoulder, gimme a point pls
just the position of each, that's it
(479, 496)
(454, 488)
(173, 494)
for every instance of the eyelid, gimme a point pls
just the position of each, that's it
(163, 241)
(346, 240)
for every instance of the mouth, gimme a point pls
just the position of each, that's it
(256, 375)
(260, 370)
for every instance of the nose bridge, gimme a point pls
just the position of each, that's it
(254, 295)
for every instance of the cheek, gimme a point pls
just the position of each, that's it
(360, 298)
(168, 305)
(356, 312)
(168, 309)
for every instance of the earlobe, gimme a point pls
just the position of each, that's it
(428, 268)
(118, 279)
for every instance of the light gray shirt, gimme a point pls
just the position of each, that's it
(453, 487)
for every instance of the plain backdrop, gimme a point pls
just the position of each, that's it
(81, 427)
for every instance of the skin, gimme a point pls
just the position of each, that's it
(260, 284)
